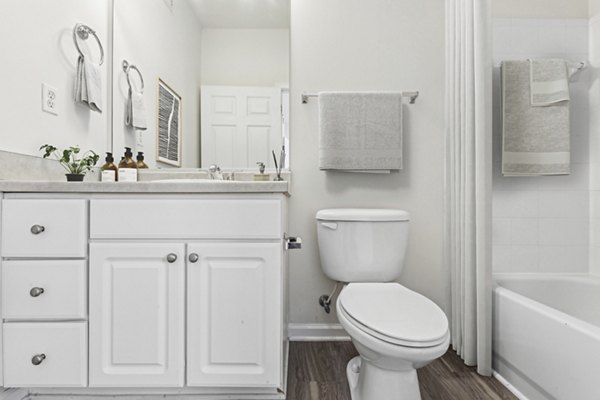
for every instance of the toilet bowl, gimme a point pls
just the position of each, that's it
(394, 329)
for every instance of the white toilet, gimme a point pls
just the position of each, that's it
(394, 329)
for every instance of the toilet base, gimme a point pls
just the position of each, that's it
(368, 382)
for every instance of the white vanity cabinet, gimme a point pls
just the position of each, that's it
(136, 294)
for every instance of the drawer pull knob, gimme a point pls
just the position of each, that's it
(194, 258)
(37, 229)
(36, 291)
(37, 359)
(172, 258)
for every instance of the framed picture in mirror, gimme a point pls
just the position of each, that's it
(168, 149)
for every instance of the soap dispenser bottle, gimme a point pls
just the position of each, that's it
(140, 160)
(127, 160)
(127, 167)
(110, 172)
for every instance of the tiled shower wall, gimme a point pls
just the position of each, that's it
(594, 99)
(542, 224)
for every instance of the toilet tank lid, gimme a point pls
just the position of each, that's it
(362, 214)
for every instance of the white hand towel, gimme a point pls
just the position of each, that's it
(135, 111)
(549, 82)
(360, 131)
(88, 85)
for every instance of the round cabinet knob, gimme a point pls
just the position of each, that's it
(37, 229)
(37, 359)
(172, 258)
(194, 258)
(36, 291)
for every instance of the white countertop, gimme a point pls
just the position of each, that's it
(144, 187)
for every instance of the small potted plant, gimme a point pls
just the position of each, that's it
(77, 165)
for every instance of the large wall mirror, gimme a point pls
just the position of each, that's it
(223, 68)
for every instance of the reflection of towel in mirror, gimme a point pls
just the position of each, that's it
(135, 112)
(88, 85)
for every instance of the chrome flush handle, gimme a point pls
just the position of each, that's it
(37, 229)
(38, 358)
(36, 291)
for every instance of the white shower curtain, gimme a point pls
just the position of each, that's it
(468, 178)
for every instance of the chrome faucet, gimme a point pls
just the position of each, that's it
(214, 172)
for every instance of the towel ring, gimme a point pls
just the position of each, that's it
(127, 68)
(83, 32)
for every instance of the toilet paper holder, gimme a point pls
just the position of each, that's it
(292, 242)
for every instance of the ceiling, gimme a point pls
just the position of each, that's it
(247, 14)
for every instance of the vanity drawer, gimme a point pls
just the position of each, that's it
(59, 350)
(186, 219)
(44, 228)
(44, 289)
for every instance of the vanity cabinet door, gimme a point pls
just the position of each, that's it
(137, 314)
(234, 314)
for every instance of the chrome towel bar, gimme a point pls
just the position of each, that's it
(83, 32)
(412, 96)
(127, 68)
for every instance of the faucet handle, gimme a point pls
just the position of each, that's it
(214, 168)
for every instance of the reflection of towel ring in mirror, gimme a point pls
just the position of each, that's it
(128, 67)
(83, 32)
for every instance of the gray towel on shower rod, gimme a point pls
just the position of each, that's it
(549, 81)
(535, 139)
(360, 131)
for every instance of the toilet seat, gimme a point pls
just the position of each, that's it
(394, 314)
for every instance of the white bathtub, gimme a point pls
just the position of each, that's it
(547, 335)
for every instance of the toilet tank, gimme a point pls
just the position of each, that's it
(362, 245)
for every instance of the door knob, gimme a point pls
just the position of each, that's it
(37, 229)
(36, 291)
(172, 257)
(193, 258)
(37, 359)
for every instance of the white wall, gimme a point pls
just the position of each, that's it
(541, 224)
(376, 45)
(245, 57)
(37, 46)
(541, 8)
(162, 44)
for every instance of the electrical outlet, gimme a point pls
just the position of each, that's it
(140, 139)
(49, 99)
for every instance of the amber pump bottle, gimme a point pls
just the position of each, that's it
(110, 172)
(127, 161)
(140, 160)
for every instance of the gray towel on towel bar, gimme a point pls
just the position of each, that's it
(549, 82)
(535, 139)
(360, 131)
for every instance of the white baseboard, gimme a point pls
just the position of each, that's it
(13, 394)
(510, 387)
(317, 333)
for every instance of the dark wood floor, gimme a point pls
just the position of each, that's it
(317, 371)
